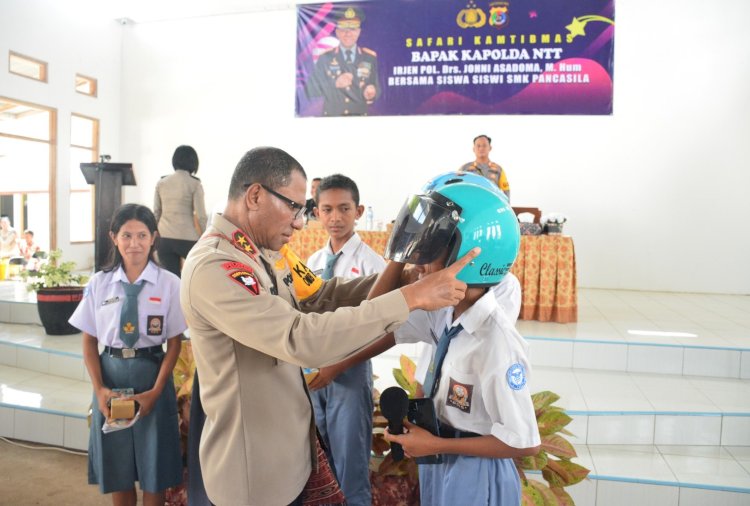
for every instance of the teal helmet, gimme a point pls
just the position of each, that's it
(458, 213)
(455, 176)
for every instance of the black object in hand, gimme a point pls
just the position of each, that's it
(394, 404)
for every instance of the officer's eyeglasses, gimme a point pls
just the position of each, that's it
(297, 208)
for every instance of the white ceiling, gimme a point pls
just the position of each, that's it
(144, 11)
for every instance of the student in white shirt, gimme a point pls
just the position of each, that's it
(133, 357)
(480, 388)
(342, 393)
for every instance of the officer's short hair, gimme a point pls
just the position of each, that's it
(185, 158)
(338, 182)
(266, 165)
(489, 141)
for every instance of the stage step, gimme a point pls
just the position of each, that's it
(662, 475)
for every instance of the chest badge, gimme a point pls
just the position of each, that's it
(155, 325)
(459, 395)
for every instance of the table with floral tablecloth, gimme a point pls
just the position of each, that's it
(546, 268)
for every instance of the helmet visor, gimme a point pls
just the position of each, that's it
(423, 229)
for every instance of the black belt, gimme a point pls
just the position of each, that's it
(450, 432)
(133, 352)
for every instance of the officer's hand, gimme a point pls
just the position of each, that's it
(344, 80)
(439, 289)
(369, 92)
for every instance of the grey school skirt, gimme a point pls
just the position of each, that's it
(149, 451)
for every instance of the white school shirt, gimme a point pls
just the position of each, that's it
(357, 259)
(484, 383)
(159, 313)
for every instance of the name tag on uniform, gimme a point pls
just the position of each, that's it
(110, 301)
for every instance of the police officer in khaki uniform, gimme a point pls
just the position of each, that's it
(347, 75)
(247, 300)
(178, 206)
(485, 167)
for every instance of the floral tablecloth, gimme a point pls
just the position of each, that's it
(546, 268)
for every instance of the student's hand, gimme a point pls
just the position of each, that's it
(103, 395)
(416, 441)
(439, 289)
(325, 376)
(146, 400)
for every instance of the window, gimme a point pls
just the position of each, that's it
(27, 67)
(27, 165)
(86, 85)
(84, 148)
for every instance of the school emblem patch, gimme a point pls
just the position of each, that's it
(459, 395)
(516, 376)
(155, 325)
(247, 280)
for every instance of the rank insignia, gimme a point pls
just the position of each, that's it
(459, 396)
(516, 376)
(247, 280)
(243, 242)
(155, 324)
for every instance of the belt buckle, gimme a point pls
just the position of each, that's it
(128, 353)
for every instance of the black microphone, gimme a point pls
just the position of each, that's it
(394, 404)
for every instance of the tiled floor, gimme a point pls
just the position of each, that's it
(657, 384)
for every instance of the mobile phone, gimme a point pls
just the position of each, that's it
(422, 413)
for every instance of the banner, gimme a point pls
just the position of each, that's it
(414, 57)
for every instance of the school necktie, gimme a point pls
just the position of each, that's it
(129, 314)
(432, 380)
(330, 263)
(349, 56)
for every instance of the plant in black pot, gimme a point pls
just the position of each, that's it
(58, 292)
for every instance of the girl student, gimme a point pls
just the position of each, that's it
(131, 308)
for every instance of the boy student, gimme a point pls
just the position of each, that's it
(478, 369)
(342, 393)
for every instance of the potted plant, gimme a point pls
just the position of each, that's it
(397, 483)
(58, 292)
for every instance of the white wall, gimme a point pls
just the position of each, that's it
(654, 193)
(71, 40)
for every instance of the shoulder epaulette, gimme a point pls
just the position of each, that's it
(369, 51)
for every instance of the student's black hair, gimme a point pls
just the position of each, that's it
(340, 182)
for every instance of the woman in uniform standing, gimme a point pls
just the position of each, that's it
(178, 206)
(131, 308)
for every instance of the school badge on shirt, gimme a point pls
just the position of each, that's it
(459, 395)
(516, 376)
(155, 325)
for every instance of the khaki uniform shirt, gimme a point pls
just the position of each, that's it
(178, 197)
(251, 335)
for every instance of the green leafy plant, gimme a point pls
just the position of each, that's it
(554, 459)
(53, 273)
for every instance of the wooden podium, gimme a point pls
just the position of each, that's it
(108, 178)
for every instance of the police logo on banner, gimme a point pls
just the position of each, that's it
(516, 376)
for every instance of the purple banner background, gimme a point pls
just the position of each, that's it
(474, 70)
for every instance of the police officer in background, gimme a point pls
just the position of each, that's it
(347, 75)
(247, 298)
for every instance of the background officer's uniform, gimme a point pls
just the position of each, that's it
(250, 336)
(491, 171)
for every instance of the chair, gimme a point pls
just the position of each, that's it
(531, 210)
